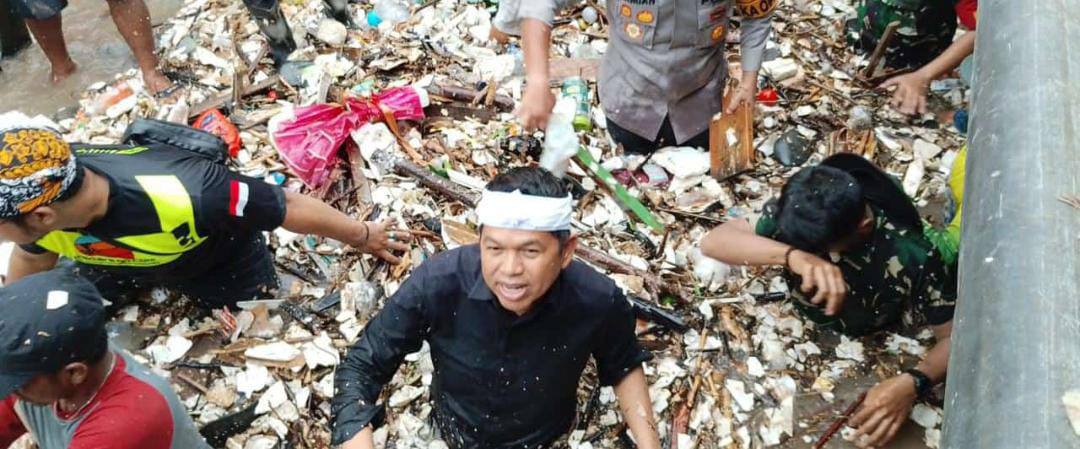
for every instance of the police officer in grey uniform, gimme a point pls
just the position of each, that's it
(663, 76)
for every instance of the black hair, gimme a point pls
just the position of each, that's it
(534, 181)
(101, 349)
(818, 207)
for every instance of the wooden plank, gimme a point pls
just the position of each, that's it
(729, 158)
(503, 102)
(224, 97)
(879, 51)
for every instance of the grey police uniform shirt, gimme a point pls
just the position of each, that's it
(665, 57)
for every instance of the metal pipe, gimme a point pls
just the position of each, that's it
(1016, 338)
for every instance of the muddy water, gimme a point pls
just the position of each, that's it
(94, 44)
(810, 407)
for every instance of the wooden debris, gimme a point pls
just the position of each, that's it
(879, 51)
(731, 142)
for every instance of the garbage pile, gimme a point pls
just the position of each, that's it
(409, 113)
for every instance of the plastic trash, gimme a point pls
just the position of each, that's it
(792, 149)
(373, 20)
(309, 137)
(768, 96)
(960, 121)
(115, 101)
(390, 12)
(560, 141)
(214, 122)
(577, 88)
(589, 15)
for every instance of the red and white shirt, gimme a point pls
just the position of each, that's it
(134, 409)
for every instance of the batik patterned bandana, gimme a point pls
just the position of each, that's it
(36, 168)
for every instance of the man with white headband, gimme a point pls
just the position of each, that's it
(511, 323)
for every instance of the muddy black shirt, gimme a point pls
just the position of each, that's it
(501, 381)
(228, 208)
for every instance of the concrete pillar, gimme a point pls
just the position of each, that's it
(1016, 340)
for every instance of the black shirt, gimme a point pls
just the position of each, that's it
(501, 381)
(225, 213)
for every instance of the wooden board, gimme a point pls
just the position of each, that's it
(727, 159)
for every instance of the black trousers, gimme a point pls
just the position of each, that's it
(635, 144)
(248, 274)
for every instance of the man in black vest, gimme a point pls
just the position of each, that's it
(139, 216)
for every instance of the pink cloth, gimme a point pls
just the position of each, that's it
(309, 143)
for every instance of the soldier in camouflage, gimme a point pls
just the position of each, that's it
(895, 276)
(926, 29)
(859, 259)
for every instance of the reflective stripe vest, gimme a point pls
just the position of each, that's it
(178, 233)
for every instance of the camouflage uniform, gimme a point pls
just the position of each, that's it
(926, 29)
(896, 274)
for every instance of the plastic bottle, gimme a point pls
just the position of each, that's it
(391, 12)
(577, 89)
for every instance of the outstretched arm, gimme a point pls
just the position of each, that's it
(911, 88)
(888, 404)
(307, 215)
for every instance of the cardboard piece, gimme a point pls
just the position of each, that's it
(731, 141)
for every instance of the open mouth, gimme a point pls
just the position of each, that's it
(512, 292)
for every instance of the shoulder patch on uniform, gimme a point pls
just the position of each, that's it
(755, 9)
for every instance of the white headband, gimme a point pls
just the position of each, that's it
(524, 212)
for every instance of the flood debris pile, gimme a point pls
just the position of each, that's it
(747, 372)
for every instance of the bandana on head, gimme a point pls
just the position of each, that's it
(516, 210)
(36, 168)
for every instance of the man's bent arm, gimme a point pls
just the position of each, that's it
(735, 243)
(24, 263)
(633, 394)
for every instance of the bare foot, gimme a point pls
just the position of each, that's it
(63, 71)
(156, 81)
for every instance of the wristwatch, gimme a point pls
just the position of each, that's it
(923, 385)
